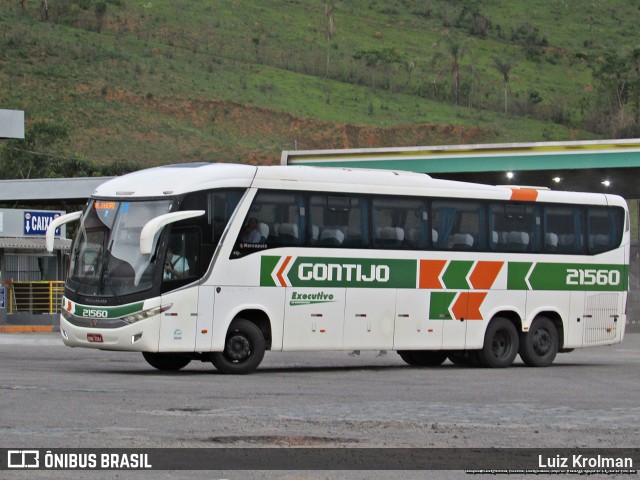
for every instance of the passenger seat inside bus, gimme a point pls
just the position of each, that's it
(518, 241)
(288, 234)
(599, 242)
(331, 237)
(389, 237)
(462, 241)
(550, 242)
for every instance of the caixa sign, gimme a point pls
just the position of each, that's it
(36, 223)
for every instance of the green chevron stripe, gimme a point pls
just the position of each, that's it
(455, 277)
(439, 305)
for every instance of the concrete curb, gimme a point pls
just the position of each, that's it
(26, 328)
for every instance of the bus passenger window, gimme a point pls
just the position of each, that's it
(338, 221)
(605, 225)
(514, 227)
(275, 219)
(399, 223)
(458, 225)
(563, 229)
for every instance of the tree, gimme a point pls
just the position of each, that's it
(41, 155)
(454, 49)
(504, 67)
(617, 79)
(330, 29)
(30, 157)
(44, 4)
(101, 12)
(375, 58)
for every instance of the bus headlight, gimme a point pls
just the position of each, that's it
(136, 317)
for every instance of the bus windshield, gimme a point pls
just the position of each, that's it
(106, 259)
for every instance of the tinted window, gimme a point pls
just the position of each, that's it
(400, 223)
(514, 227)
(338, 221)
(563, 229)
(605, 228)
(275, 219)
(458, 225)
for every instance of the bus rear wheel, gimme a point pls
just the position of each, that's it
(423, 358)
(539, 347)
(500, 344)
(166, 361)
(243, 349)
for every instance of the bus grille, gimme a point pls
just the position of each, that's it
(601, 317)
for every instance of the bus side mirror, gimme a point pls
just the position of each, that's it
(51, 229)
(154, 225)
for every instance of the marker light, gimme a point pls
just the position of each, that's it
(136, 317)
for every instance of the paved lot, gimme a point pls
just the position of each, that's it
(53, 396)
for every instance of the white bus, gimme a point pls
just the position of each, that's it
(220, 262)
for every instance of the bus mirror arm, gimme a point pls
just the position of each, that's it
(51, 229)
(154, 225)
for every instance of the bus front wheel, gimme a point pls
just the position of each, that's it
(539, 347)
(500, 344)
(243, 349)
(166, 361)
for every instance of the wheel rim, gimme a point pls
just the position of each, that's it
(238, 348)
(541, 342)
(501, 344)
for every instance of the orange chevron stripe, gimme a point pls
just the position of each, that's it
(283, 283)
(484, 274)
(473, 307)
(429, 272)
(467, 305)
(459, 307)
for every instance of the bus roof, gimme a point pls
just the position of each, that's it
(183, 178)
(177, 179)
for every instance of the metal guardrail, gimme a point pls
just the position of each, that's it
(35, 297)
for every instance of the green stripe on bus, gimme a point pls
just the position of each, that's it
(455, 277)
(517, 273)
(106, 312)
(267, 266)
(439, 305)
(341, 272)
(400, 273)
(567, 276)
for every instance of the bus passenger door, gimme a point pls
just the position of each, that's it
(313, 318)
(204, 323)
(451, 309)
(178, 324)
(575, 323)
(369, 319)
(414, 329)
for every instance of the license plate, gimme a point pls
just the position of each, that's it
(94, 337)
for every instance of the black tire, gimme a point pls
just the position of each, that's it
(423, 358)
(539, 347)
(500, 344)
(243, 349)
(166, 361)
(466, 358)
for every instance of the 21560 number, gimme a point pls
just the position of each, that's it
(579, 276)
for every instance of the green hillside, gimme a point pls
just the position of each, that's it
(163, 81)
